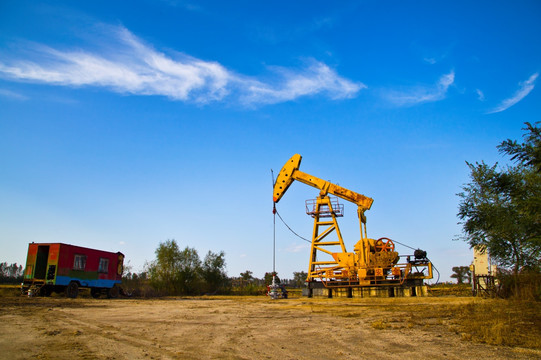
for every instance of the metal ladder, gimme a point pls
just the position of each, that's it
(34, 289)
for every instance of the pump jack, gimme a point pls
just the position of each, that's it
(372, 262)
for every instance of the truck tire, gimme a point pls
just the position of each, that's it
(45, 291)
(72, 290)
(113, 292)
(95, 292)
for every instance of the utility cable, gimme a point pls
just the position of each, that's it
(275, 212)
(290, 229)
(437, 281)
(404, 245)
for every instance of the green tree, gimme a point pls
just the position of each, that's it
(11, 273)
(247, 276)
(189, 275)
(527, 153)
(163, 271)
(461, 273)
(213, 271)
(500, 207)
(174, 271)
(299, 278)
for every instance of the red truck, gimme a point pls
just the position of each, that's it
(66, 268)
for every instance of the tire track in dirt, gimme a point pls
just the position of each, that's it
(115, 341)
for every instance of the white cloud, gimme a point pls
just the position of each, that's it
(131, 66)
(294, 248)
(480, 95)
(12, 95)
(317, 78)
(525, 87)
(422, 94)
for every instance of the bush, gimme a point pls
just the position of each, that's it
(249, 289)
(525, 286)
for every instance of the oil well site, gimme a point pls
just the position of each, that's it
(283, 180)
(369, 303)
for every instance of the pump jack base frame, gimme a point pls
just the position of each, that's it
(410, 288)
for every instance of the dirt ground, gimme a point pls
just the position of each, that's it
(233, 328)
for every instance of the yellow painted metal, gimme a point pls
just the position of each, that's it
(285, 179)
(320, 231)
(372, 262)
(290, 172)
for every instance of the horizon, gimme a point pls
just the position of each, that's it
(123, 125)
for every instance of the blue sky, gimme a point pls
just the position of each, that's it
(124, 124)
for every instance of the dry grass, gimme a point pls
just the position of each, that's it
(10, 290)
(450, 290)
(379, 325)
(490, 321)
(500, 322)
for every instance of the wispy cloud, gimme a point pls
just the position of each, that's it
(431, 55)
(525, 87)
(317, 78)
(294, 248)
(12, 95)
(135, 67)
(480, 95)
(422, 94)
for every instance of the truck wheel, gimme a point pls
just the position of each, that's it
(113, 292)
(72, 290)
(95, 292)
(45, 291)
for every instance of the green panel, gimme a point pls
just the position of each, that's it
(84, 275)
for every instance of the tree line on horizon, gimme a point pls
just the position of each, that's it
(177, 271)
(11, 273)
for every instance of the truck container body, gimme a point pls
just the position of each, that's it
(63, 267)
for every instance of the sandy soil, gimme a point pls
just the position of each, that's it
(230, 328)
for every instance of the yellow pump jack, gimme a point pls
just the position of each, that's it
(372, 262)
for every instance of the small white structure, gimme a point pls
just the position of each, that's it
(483, 272)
